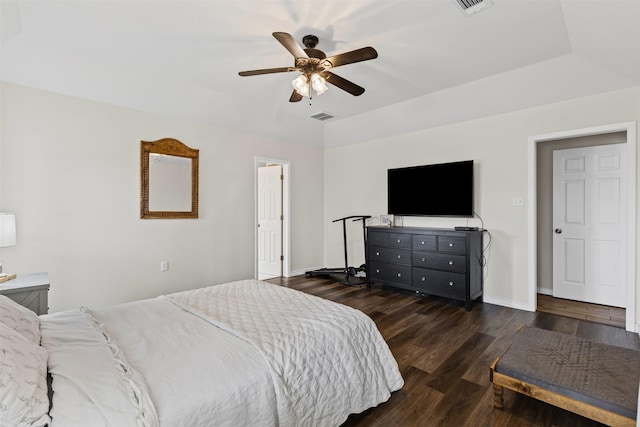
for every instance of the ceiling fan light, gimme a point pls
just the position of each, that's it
(319, 84)
(301, 85)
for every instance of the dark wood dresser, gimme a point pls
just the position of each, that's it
(433, 261)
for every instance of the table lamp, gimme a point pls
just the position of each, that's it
(7, 238)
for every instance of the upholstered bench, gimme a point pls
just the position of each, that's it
(597, 381)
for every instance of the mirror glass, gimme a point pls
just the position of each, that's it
(169, 179)
(169, 183)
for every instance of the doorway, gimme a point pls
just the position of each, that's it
(271, 218)
(540, 220)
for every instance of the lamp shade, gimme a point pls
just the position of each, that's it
(7, 229)
(319, 84)
(301, 85)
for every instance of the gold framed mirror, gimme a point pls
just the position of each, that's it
(168, 179)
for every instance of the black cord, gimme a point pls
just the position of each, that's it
(484, 257)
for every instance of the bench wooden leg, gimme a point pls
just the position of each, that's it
(498, 400)
(498, 390)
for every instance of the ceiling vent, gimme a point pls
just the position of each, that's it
(473, 6)
(322, 116)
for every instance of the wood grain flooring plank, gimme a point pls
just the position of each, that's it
(613, 316)
(619, 337)
(459, 403)
(451, 369)
(489, 415)
(556, 323)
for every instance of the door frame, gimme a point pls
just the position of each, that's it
(286, 223)
(630, 129)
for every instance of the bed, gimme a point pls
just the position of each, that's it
(244, 353)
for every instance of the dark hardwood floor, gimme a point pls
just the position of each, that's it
(613, 316)
(444, 353)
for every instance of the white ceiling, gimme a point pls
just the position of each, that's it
(181, 58)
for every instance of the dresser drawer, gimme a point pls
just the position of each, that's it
(451, 285)
(452, 244)
(438, 261)
(400, 241)
(423, 243)
(378, 238)
(395, 256)
(392, 273)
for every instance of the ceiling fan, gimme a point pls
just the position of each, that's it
(314, 66)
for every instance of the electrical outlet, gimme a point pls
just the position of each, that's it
(517, 201)
(164, 265)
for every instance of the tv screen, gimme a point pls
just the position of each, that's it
(444, 189)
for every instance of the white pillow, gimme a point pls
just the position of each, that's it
(20, 318)
(23, 381)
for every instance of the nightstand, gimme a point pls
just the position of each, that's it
(29, 290)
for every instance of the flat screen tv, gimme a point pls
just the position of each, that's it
(444, 189)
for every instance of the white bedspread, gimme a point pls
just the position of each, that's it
(246, 353)
(92, 382)
(327, 360)
(194, 373)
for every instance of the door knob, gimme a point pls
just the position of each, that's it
(558, 231)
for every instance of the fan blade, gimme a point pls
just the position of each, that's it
(290, 44)
(343, 84)
(358, 55)
(295, 97)
(267, 71)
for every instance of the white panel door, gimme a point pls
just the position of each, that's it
(269, 221)
(589, 216)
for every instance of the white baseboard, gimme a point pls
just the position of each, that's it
(506, 303)
(545, 291)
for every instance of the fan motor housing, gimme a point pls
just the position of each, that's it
(310, 41)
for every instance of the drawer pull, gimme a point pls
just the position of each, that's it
(422, 243)
(424, 279)
(377, 270)
(450, 244)
(399, 256)
(450, 262)
(424, 259)
(377, 253)
(398, 240)
(450, 283)
(399, 274)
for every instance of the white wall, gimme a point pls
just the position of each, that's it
(355, 178)
(70, 171)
